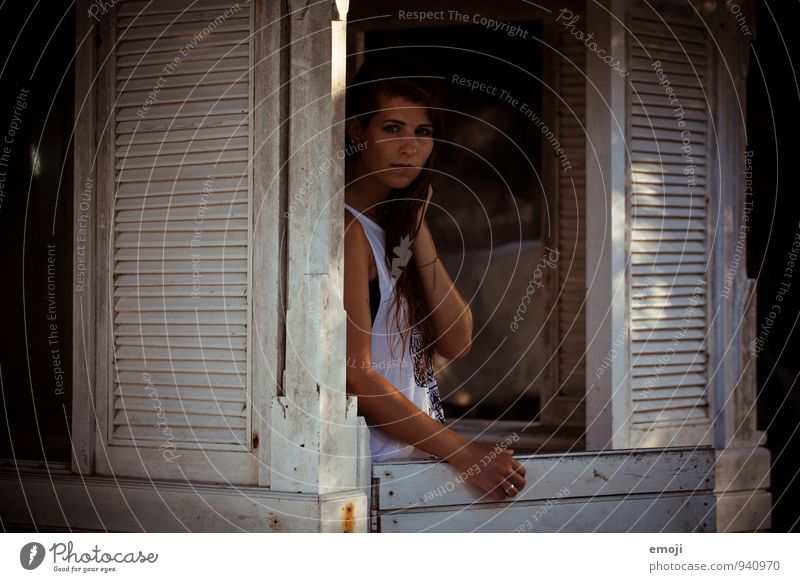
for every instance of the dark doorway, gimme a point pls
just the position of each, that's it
(36, 122)
(772, 129)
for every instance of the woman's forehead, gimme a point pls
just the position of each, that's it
(402, 108)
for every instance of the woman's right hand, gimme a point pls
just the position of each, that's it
(492, 469)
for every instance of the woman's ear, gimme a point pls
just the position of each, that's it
(354, 130)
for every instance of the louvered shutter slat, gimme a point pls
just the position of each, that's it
(181, 220)
(668, 221)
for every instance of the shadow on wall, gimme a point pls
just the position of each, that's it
(507, 361)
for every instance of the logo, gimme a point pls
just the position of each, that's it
(402, 255)
(31, 555)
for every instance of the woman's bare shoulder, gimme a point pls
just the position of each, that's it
(354, 236)
(355, 241)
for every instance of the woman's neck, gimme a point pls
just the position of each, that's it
(365, 194)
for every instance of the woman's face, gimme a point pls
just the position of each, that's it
(396, 143)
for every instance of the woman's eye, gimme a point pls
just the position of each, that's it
(424, 132)
(391, 128)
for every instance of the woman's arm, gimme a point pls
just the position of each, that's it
(382, 404)
(451, 314)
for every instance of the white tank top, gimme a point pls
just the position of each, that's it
(396, 366)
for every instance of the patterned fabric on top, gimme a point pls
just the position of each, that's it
(426, 378)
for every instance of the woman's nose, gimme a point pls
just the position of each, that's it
(408, 146)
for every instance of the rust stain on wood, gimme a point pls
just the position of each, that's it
(348, 518)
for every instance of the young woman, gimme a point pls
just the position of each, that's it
(400, 300)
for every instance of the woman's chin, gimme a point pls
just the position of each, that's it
(400, 181)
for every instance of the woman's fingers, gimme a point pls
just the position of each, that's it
(516, 477)
(498, 488)
(517, 480)
(499, 475)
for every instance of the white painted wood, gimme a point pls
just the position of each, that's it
(314, 436)
(69, 503)
(653, 513)
(750, 511)
(669, 235)
(608, 400)
(267, 264)
(407, 485)
(629, 490)
(744, 392)
(174, 257)
(342, 513)
(364, 478)
(742, 469)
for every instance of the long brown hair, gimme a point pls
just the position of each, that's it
(412, 80)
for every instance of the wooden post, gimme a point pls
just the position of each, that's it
(315, 432)
(607, 402)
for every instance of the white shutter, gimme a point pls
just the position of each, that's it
(567, 405)
(179, 245)
(669, 148)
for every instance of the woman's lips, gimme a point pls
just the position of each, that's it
(403, 168)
